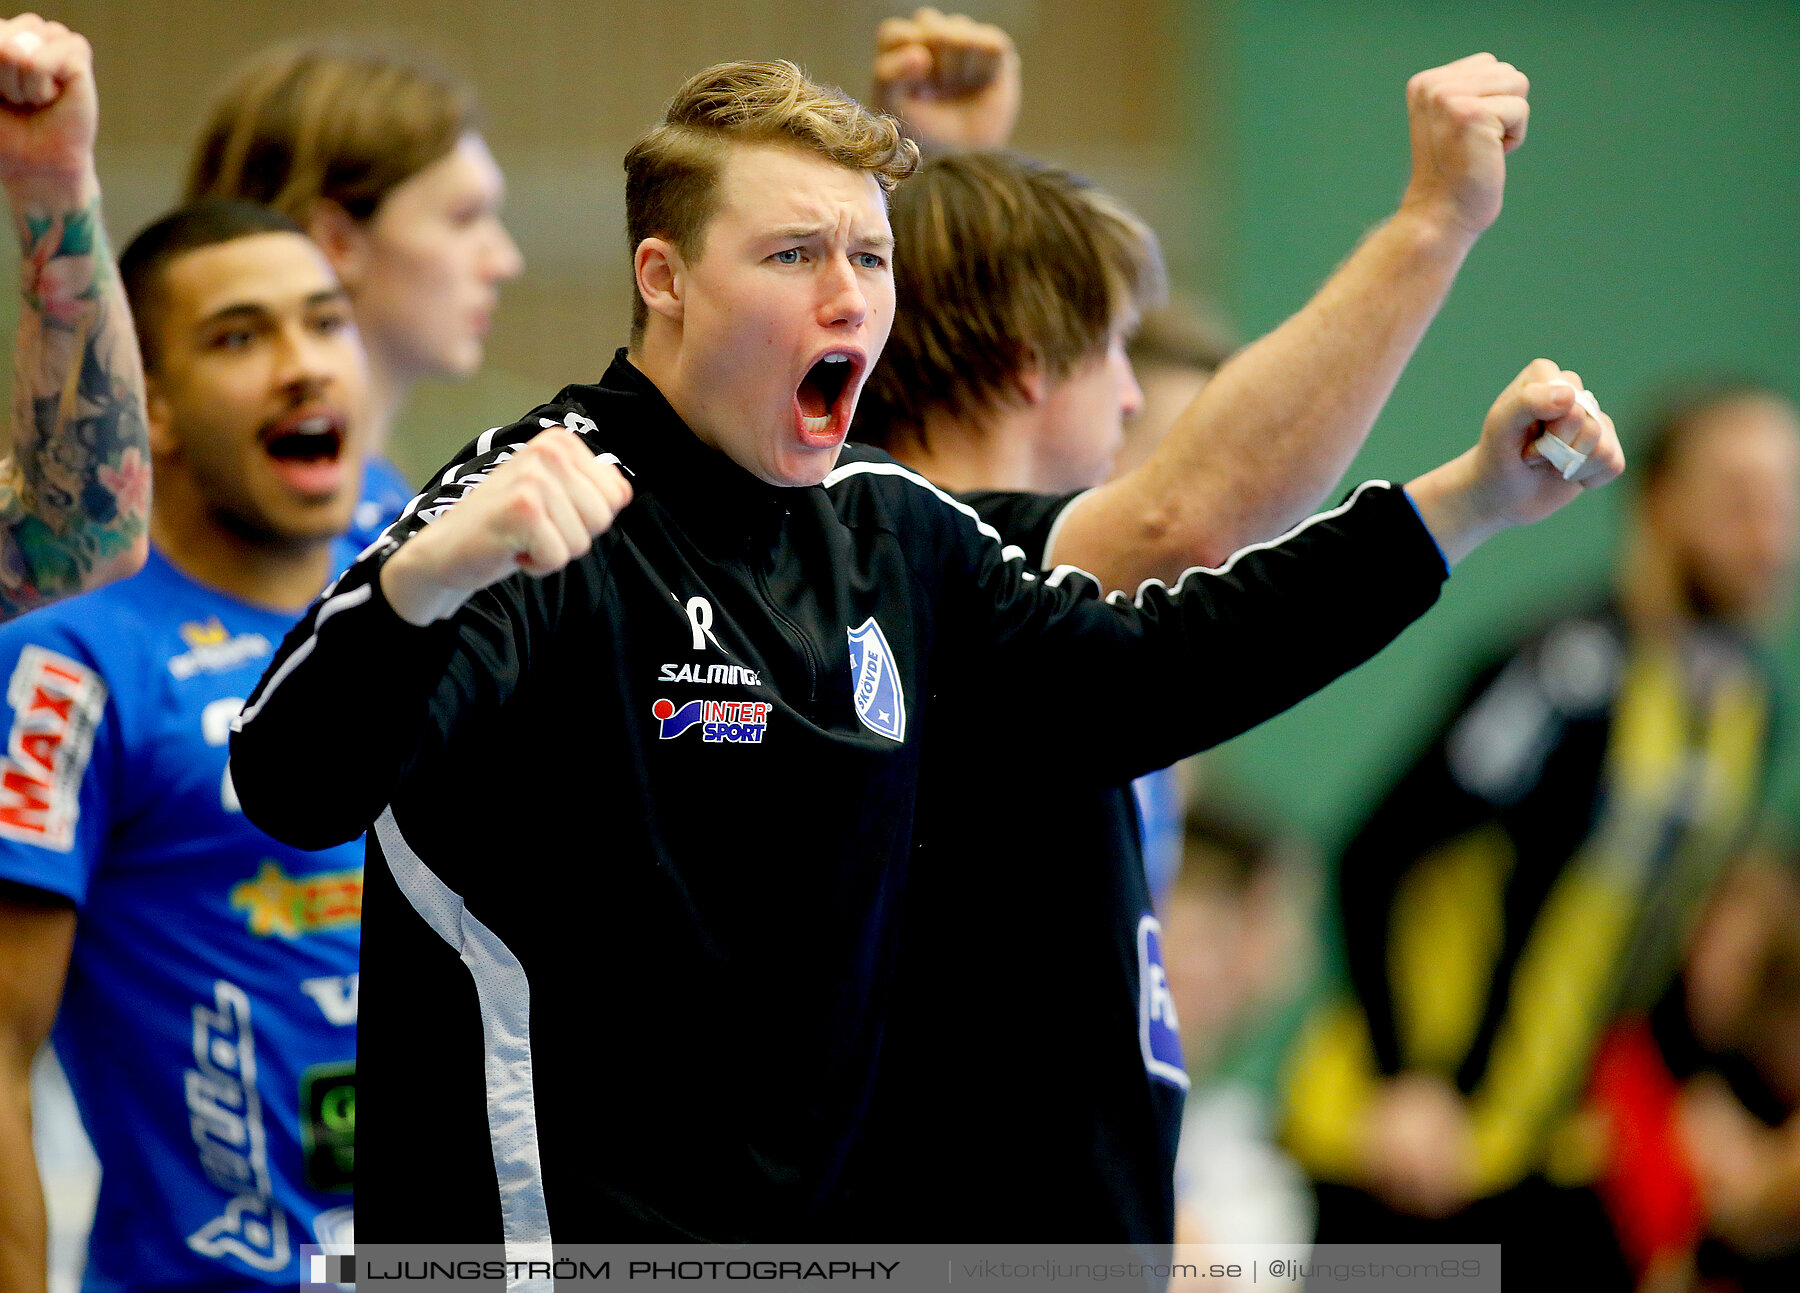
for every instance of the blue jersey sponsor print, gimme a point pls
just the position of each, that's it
(208, 1024)
(1159, 1031)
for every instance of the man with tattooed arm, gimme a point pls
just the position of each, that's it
(201, 978)
(75, 486)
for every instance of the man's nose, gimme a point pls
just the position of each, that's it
(1131, 395)
(503, 259)
(303, 358)
(844, 300)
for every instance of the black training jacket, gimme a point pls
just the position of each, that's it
(1029, 1038)
(639, 830)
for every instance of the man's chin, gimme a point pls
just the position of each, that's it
(315, 522)
(461, 362)
(801, 470)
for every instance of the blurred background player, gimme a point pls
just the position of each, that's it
(1533, 874)
(1699, 1101)
(207, 1021)
(1238, 924)
(379, 156)
(1728, 1038)
(1006, 371)
(75, 486)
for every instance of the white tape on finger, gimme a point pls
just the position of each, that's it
(1566, 460)
(27, 41)
(1558, 453)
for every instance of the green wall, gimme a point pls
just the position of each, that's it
(1651, 229)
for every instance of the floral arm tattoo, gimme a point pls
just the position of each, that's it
(75, 490)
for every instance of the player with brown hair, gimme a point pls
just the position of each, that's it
(1006, 378)
(378, 154)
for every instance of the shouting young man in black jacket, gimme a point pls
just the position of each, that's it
(642, 781)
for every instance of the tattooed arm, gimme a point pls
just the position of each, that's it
(75, 488)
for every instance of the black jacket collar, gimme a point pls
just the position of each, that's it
(700, 485)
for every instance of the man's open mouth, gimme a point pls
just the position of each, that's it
(821, 402)
(320, 436)
(306, 447)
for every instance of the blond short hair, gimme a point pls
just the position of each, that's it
(332, 120)
(1001, 264)
(672, 173)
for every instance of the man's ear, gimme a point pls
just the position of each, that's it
(344, 241)
(661, 277)
(1031, 384)
(159, 418)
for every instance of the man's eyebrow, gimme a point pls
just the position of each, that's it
(242, 310)
(801, 232)
(256, 310)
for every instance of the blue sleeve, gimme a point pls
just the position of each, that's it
(57, 769)
(385, 494)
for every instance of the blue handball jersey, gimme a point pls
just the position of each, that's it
(208, 1025)
(385, 494)
(1162, 809)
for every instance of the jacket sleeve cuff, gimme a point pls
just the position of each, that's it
(1438, 548)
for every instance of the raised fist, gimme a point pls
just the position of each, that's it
(1465, 117)
(48, 112)
(952, 80)
(536, 512)
(1506, 479)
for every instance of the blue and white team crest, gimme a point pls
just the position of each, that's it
(1158, 1029)
(875, 682)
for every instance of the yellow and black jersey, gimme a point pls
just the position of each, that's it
(1529, 878)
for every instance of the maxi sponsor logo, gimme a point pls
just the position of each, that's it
(57, 704)
(721, 721)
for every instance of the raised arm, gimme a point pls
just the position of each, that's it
(953, 82)
(1179, 667)
(1277, 426)
(75, 488)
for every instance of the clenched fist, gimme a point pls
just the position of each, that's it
(1465, 117)
(952, 80)
(48, 112)
(536, 512)
(1505, 480)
